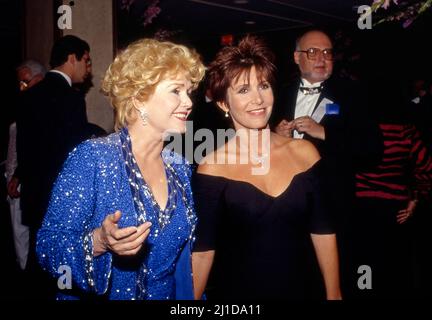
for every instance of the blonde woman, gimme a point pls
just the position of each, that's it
(120, 219)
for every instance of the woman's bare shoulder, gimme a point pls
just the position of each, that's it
(301, 150)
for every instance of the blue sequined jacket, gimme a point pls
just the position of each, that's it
(93, 184)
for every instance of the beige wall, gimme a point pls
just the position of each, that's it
(39, 30)
(93, 22)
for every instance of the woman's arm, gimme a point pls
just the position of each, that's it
(201, 266)
(327, 255)
(65, 238)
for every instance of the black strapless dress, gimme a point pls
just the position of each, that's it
(263, 244)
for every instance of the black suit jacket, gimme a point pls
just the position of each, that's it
(352, 134)
(51, 121)
(352, 142)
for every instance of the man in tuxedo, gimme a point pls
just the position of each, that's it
(334, 116)
(51, 121)
(331, 113)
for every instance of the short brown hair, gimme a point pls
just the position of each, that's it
(232, 61)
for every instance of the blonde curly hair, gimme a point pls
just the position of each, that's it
(138, 69)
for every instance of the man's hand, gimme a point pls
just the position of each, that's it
(310, 126)
(405, 214)
(285, 128)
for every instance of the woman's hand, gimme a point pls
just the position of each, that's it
(404, 214)
(122, 241)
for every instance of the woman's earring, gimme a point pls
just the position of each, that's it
(143, 115)
(142, 111)
(226, 114)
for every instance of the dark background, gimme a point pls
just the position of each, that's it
(389, 51)
(387, 48)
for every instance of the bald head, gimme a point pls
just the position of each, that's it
(312, 36)
(314, 66)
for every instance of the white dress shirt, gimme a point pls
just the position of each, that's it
(305, 103)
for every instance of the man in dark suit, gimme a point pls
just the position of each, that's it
(51, 121)
(331, 113)
(334, 116)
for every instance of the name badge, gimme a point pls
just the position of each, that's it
(332, 108)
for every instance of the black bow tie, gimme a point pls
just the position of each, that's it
(314, 90)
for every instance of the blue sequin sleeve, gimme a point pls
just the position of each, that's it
(65, 236)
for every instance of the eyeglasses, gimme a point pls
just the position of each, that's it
(88, 62)
(312, 53)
